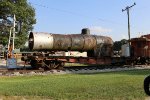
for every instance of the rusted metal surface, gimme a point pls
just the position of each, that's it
(91, 60)
(147, 36)
(61, 42)
(98, 46)
(103, 47)
(41, 41)
(77, 42)
(89, 42)
(72, 60)
(141, 46)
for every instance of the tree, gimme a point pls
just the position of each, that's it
(118, 44)
(24, 12)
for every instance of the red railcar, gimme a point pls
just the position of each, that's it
(139, 52)
(140, 49)
(141, 46)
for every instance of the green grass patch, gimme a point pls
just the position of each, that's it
(125, 85)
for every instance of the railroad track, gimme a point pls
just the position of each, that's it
(70, 70)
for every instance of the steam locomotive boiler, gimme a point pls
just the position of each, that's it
(97, 48)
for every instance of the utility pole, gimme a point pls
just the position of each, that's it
(14, 32)
(128, 9)
(11, 60)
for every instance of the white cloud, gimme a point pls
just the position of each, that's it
(99, 29)
(124, 36)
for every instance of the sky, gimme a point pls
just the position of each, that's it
(102, 17)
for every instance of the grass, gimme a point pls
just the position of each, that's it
(125, 85)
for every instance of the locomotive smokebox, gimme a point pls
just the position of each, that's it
(71, 42)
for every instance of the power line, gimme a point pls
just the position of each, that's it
(77, 14)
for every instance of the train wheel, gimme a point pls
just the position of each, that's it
(147, 85)
(48, 65)
(61, 65)
(33, 64)
(46, 68)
